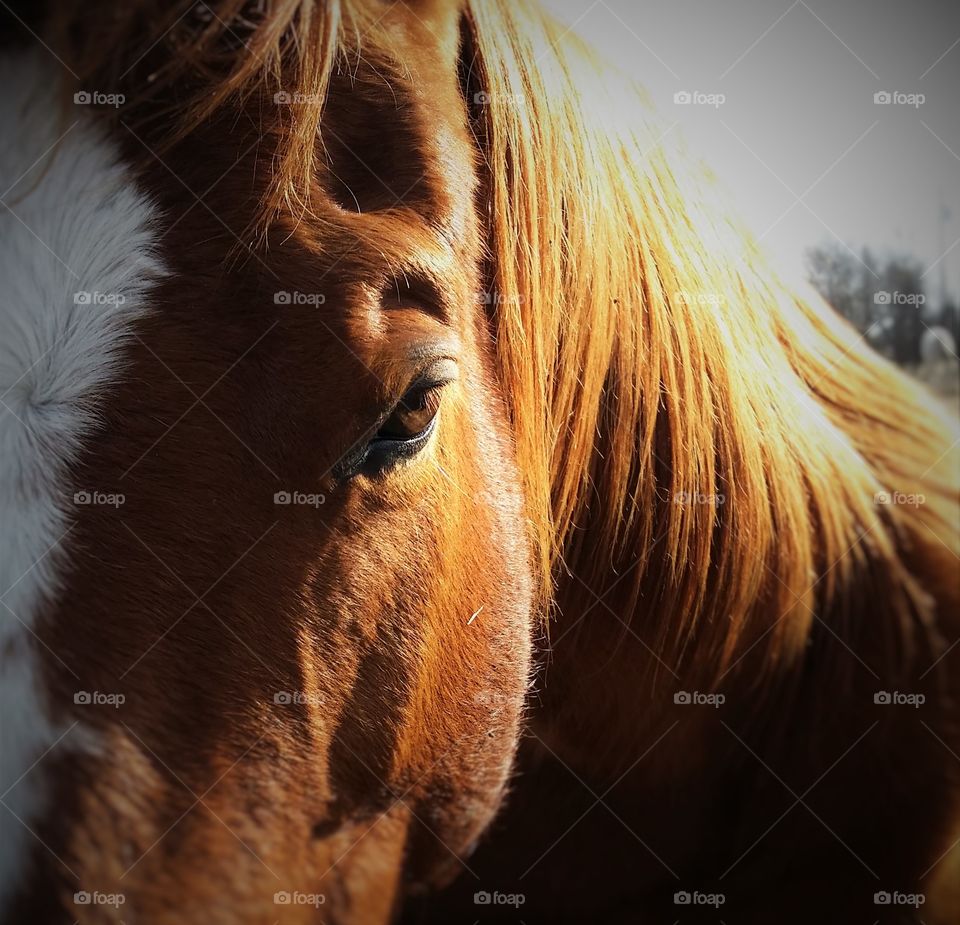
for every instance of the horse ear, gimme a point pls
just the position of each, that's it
(375, 148)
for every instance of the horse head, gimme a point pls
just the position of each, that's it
(286, 591)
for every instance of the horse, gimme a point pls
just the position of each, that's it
(423, 499)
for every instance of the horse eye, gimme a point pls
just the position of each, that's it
(406, 430)
(413, 415)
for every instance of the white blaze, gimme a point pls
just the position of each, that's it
(77, 262)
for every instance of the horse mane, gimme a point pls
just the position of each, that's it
(716, 433)
(683, 418)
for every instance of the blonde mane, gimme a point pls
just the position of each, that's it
(683, 419)
(655, 362)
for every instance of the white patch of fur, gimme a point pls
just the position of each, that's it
(71, 222)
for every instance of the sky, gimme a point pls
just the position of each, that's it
(798, 139)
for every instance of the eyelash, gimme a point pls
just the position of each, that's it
(384, 453)
(413, 414)
(386, 449)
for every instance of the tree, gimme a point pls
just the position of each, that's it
(884, 302)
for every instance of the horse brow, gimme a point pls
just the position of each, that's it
(427, 279)
(412, 286)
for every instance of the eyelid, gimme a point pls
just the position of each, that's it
(437, 373)
(441, 371)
